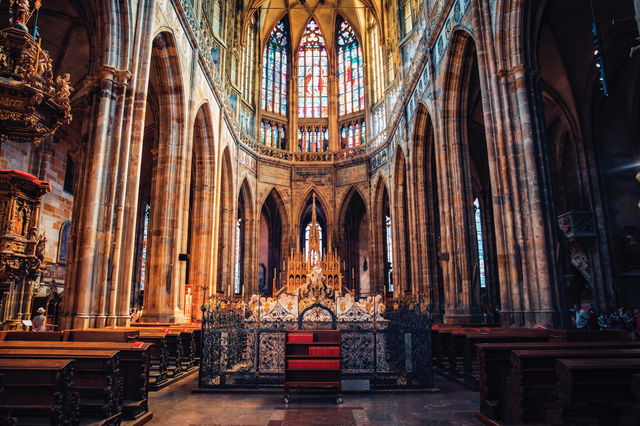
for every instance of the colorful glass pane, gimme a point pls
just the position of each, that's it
(274, 71)
(313, 96)
(350, 73)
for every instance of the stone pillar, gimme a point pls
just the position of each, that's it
(128, 186)
(88, 219)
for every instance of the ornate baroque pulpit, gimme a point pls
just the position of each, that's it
(33, 105)
(21, 248)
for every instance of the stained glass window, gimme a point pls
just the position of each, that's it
(352, 135)
(481, 265)
(350, 71)
(213, 10)
(248, 62)
(273, 134)
(274, 71)
(377, 70)
(312, 73)
(314, 256)
(313, 139)
(407, 18)
(145, 240)
(237, 287)
(387, 223)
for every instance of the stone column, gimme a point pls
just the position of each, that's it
(90, 206)
(128, 186)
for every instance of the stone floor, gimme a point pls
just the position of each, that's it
(176, 405)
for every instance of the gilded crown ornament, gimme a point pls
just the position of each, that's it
(33, 102)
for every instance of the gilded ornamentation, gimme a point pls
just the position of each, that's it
(65, 89)
(20, 13)
(34, 104)
(21, 250)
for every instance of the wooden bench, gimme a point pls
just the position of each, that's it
(593, 391)
(173, 343)
(134, 368)
(588, 336)
(49, 336)
(494, 365)
(38, 391)
(96, 378)
(463, 354)
(532, 382)
(101, 335)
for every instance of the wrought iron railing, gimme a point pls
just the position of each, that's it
(392, 350)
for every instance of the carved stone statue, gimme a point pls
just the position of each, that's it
(40, 247)
(580, 260)
(20, 13)
(64, 88)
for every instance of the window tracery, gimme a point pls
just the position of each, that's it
(352, 134)
(248, 62)
(274, 71)
(313, 139)
(350, 70)
(313, 98)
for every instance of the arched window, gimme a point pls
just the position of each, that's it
(145, 242)
(63, 242)
(213, 11)
(237, 282)
(481, 267)
(248, 62)
(407, 18)
(315, 257)
(377, 70)
(350, 70)
(389, 254)
(313, 96)
(274, 71)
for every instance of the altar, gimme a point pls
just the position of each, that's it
(384, 344)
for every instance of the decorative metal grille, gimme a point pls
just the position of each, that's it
(390, 350)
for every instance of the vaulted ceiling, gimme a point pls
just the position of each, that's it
(300, 12)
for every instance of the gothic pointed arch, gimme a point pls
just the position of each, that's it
(350, 75)
(275, 74)
(200, 228)
(273, 243)
(313, 74)
(382, 276)
(306, 215)
(471, 276)
(226, 225)
(166, 81)
(243, 281)
(353, 243)
(426, 196)
(402, 246)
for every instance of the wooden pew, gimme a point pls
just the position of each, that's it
(173, 343)
(463, 355)
(53, 336)
(440, 341)
(38, 391)
(96, 378)
(588, 336)
(532, 382)
(494, 365)
(121, 335)
(158, 370)
(593, 391)
(189, 334)
(134, 368)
